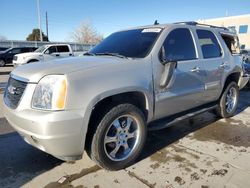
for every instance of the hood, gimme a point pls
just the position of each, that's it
(33, 72)
(28, 54)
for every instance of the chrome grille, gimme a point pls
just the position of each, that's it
(14, 92)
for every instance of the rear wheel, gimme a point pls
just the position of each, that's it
(119, 137)
(228, 101)
(2, 63)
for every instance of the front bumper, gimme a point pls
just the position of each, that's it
(17, 63)
(57, 133)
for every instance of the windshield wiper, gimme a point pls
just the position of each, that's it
(112, 54)
(89, 54)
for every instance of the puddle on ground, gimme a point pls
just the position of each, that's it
(232, 132)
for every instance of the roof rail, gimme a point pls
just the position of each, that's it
(200, 24)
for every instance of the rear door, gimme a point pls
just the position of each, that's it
(213, 62)
(64, 51)
(186, 88)
(11, 53)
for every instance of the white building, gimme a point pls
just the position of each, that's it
(241, 24)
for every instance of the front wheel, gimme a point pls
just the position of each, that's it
(119, 137)
(2, 63)
(228, 101)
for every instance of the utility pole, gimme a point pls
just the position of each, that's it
(39, 19)
(47, 25)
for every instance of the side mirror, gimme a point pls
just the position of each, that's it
(164, 59)
(162, 55)
(167, 74)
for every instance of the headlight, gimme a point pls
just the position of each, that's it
(50, 93)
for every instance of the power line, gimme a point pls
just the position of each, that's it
(47, 27)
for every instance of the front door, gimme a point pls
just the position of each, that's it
(185, 89)
(50, 54)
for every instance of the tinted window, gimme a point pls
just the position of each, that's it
(179, 45)
(15, 51)
(132, 43)
(25, 50)
(209, 44)
(62, 49)
(51, 50)
(243, 29)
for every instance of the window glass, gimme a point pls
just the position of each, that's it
(25, 50)
(63, 49)
(15, 51)
(135, 43)
(209, 45)
(179, 45)
(243, 29)
(51, 50)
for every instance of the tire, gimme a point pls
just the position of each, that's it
(228, 101)
(119, 137)
(2, 63)
(248, 84)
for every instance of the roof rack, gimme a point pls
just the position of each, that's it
(200, 24)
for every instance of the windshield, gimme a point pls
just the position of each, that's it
(41, 49)
(132, 43)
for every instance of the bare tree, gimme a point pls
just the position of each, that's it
(85, 33)
(2, 37)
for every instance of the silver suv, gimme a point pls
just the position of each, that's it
(105, 101)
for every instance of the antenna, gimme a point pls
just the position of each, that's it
(156, 22)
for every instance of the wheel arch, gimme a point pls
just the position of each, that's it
(99, 107)
(231, 77)
(234, 76)
(32, 60)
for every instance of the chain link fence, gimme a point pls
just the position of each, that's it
(37, 44)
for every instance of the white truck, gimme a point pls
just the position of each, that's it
(45, 53)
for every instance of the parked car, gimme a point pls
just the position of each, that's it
(6, 56)
(3, 49)
(105, 101)
(245, 55)
(45, 53)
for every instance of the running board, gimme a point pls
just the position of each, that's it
(169, 121)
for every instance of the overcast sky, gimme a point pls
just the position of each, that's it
(19, 17)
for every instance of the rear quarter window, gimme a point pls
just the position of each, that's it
(209, 44)
(232, 43)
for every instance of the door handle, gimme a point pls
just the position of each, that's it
(70, 54)
(195, 69)
(57, 55)
(223, 65)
